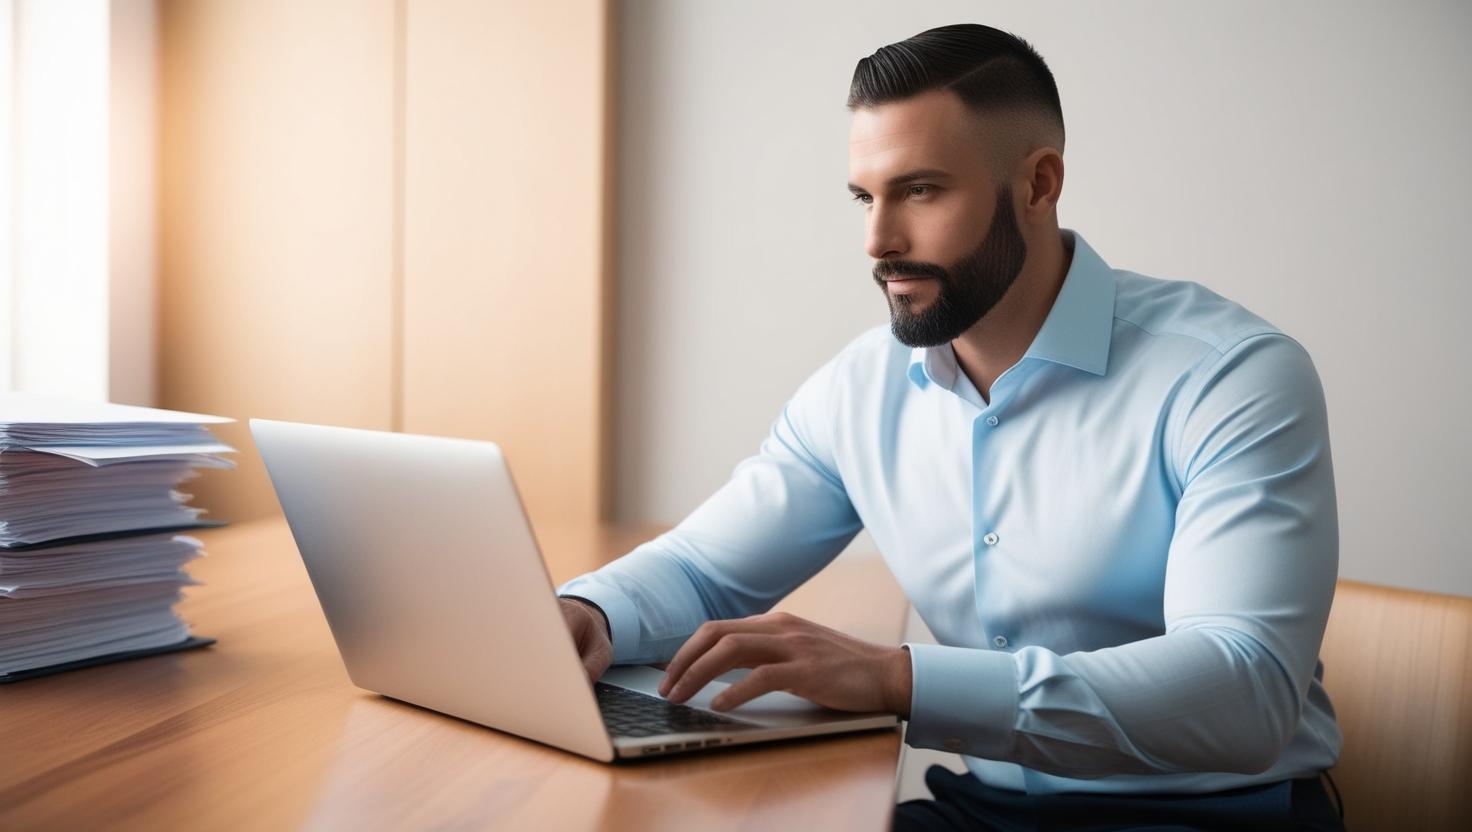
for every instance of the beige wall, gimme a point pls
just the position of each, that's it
(276, 220)
(132, 354)
(389, 215)
(504, 295)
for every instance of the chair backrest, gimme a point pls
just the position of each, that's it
(1398, 668)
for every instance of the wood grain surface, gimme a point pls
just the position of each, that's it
(264, 730)
(1398, 668)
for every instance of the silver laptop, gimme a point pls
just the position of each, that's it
(430, 578)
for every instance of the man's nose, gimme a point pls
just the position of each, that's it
(884, 237)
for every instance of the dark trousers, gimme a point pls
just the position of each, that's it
(963, 802)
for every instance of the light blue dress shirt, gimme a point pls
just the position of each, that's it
(1127, 555)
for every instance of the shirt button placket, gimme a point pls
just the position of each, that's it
(991, 538)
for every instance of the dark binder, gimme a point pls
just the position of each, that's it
(108, 658)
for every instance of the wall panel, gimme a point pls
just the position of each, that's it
(505, 246)
(276, 218)
(391, 215)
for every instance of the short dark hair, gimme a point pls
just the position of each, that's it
(987, 68)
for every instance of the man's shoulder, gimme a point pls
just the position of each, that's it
(1224, 350)
(1170, 312)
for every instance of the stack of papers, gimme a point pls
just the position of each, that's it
(90, 500)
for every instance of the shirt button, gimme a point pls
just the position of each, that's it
(1000, 641)
(991, 420)
(952, 744)
(990, 539)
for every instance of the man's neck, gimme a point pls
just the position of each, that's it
(1002, 336)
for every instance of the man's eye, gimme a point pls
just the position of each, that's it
(919, 190)
(864, 198)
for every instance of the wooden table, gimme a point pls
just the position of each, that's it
(264, 731)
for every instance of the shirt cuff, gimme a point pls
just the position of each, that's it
(623, 618)
(962, 700)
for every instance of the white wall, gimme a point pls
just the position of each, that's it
(1306, 159)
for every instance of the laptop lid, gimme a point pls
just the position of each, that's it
(430, 578)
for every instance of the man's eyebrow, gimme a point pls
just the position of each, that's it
(905, 178)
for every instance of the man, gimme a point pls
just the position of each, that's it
(1109, 496)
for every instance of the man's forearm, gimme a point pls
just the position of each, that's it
(1130, 709)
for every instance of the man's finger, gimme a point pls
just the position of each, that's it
(703, 639)
(739, 649)
(764, 679)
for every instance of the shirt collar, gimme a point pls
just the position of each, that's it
(1076, 332)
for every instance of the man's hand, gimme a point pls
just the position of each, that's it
(795, 655)
(590, 633)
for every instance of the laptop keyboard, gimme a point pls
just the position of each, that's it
(628, 713)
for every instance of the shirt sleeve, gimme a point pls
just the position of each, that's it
(782, 517)
(1249, 580)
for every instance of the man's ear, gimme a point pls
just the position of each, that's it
(1044, 184)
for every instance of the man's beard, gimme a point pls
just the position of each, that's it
(966, 291)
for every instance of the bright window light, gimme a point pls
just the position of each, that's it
(54, 196)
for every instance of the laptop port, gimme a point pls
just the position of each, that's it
(709, 743)
(674, 746)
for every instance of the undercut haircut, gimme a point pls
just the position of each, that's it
(996, 74)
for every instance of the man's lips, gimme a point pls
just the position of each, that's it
(900, 282)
